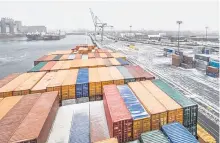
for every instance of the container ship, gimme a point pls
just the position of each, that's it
(91, 94)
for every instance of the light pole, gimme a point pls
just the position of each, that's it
(206, 34)
(179, 22)
(130, 28)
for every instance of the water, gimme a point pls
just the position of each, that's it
(18, 55)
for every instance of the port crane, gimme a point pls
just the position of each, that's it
(98, 24)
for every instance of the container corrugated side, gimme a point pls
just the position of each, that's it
(38, 122)
(105, 76)
(174, 110)
(69, 85)
(119, 121)
(40, 60)
(41, 86)
(82, 87)
(114, 62)
(48, 66)
(204, 136)
(15, 116)
(111, 140)
(57, 66)
(98, 124)
(61, 128)
(190, 109)
(8, 78)
(122, 61)
(95, 89)
(25, 88)
(141, 119)
(79, 132)
(38, 67)
(64, 57)
(116, 75)
(135, 73)
(176, 133)
(157, 111)
(7, 89)
(7, 104)
(155, 136)
(66, 65)
(127, 76)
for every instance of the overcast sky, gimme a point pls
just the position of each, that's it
(148, 15)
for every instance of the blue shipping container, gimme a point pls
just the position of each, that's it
(176, 133)
(134, 106)
(215, 75)
(125, 73)
(82, 88)
(122, 61)
(214, 64)
(71, 57)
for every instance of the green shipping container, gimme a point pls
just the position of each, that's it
(38, 67)
(57, 58)
(155, 136)
(190, 108)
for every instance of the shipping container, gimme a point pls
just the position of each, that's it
(100, 62)
(118, 55)
(91, 55)
(6, 104)
(57, 66)
(111, 140)
(107, 63)
(141, 119)
(56, 83)
(7, 89)
(157, 111)
(92, 63)
(40, 60)
(202, 57)
(25, 88)
(71, 57)
(82, 88)
(57, 58)
(61, 128)
(48, 66)
(122, 61)
(64, 57)
(214, 64)
(142, 72)
(78, 56)
(41, 86)
(79, 131)
(155, 136)
(127, 76)
(176, 60)
(135, 73)
(105, 76)
(204, 136)
(8, 78)
(116, 75)
(95, 89)
(114, 62)
(174, 110)
(84, 57)
(103, 55)
(10, 122)
(211, 74)
(38, 67)
(61, 52)
(36, 125)
(98, 124)
(176, 133)
(66, 65)
(108, 55)
(75, 64)
(85, 63)
(49, 58)
(69, 85)
(190, 109)
(97, 55)
(118, 117)
(212, 69)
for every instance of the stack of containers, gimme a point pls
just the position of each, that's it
(98, 124)
(48, 66)
(69, 85)
(78, 56)
(107, 63)
(66, 65)
(8, 78)
(114, 62)
(118, 117)
(84, 57)
(108, 55)
(122, 61)
(92, 63)
(174, 110)
(91, 55)
(79, 132)
(127, 76)
(141, 119)
(155, 136)
(82, 88)
(100, 62)
(213, 69)
(103, 55)
(97, 55)
(95, 90)
(176, 61)
(157, 111)
(105, 76)
(135, 73)
(39, 60)
(57, 58)
(190, 109)
(176, 133)
(38, 67)
(118, 78)
(75, 64)
(71, 57)
(142, 72)
(57, 66)
(64, 57)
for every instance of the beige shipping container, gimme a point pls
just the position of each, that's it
(64, 57)
(56, 83)
(25, 88)
(75, 64)
(41, 86)
(69, 85)
(151, 104)
(103, 55)
(7, 89)
(111, 140)
(116, 75)
(61, 52)
(94, 83)
(174, 110)
(57, 66)
(105, 76)
(85, 63)
(114, 62)
(66, 65)
(7, 104)
(100, 62)
(92, 63)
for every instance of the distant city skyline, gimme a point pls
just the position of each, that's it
(148, 15)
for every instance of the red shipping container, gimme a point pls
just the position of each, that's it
(8, 78)
(78, 56)
(135, 73)
(109, 55)
(118, 117)
(48, 66)
(38, 122)
(142, 72)
(40, 60)
(15, 116)
(97, 55)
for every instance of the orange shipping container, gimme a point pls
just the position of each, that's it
(100, 62)
(85, 63)
(151, 104)
(107, 63)
(64, 57)
(114, 62)
(8, 78)
(92, 63)
(68, 85)
(105, 76)
(48, 66)
(103, 55)
(7, 89)
(41, 86)
(75, 64)
(174, 110)
(25, 88)
(66, 65)
(91, 55)
(116, 75)
(57, 66)
(7, 104)
(94, 83)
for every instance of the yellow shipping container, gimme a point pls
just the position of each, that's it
(114, 62)
(68, 85)
(204, 136)
(141, 126)
(66, 65)
(57, 66)
(25, 88)
(174, 110)
(94, 82)
(105, 76)
(7, 89)
(116, 75)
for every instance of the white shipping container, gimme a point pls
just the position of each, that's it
(61, 128)
(98, 124)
